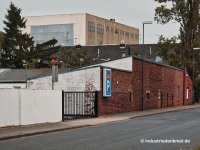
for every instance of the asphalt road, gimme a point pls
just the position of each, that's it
(178, 130)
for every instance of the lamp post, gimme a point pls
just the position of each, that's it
(193, 95)
(25, 66)
(142, 91)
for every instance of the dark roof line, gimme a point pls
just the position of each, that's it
(10, 81)
(116, 69)
(160, 64)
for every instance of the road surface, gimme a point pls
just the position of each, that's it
(178, 130)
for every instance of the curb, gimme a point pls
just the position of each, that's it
(41, 132)
(163, 112)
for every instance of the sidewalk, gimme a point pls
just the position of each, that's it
(21, 131)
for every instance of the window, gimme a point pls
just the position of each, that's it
(107, 28)
(178, 90)
(91, 26)
(116, 31)
(64, 33)
(127, 34)
(136, 36)
(122, 32)
(100, 28)
(187, 93)
(148, 96)
(112, 29)
(132, 35)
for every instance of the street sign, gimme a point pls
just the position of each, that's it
(107, 84)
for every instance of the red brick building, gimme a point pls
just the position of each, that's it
(164, 86)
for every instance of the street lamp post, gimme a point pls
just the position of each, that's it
(142, 91)
(193, 95)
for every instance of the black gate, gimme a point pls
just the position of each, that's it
(79, 104)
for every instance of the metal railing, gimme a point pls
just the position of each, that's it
(79, 104)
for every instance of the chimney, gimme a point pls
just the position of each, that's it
(112, 19)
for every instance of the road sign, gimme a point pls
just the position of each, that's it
(107, 84)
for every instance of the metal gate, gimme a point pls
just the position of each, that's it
(79, 104)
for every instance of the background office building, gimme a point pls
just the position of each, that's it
(80, 28)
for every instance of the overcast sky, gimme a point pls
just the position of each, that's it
(129, 12)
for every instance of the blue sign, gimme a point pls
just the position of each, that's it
(107, 82)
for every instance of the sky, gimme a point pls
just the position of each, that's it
(129, 12)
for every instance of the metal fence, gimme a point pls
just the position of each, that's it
(80, 104)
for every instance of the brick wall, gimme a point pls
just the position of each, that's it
(164, 86)
(178, 98)
(120, 100)
(152, 84)
(187, 85)
(168, 87)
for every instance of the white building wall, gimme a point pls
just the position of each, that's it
(24, 107)
(82, 80)
(78, 19)
(12, 85)
(87, 79)
(124, 64)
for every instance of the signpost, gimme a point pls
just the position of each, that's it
(54, 73)
(107, 76)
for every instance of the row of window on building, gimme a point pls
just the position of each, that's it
(161, 95)
(100, 29)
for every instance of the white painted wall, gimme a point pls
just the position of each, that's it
(78, 19)
(124, 64)
(12, 85)
(87, 79)
(25, 107)
(9, 108)
(82, 80)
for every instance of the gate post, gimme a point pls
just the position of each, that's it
(63, 98)
(96, 104)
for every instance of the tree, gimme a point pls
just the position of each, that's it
(1, 39)
(43, 52)
(178, 50)
(76, 58)
(16, 45)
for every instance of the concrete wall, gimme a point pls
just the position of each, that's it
(110, 36)
(85, 37)
(78, 19)
(25, 107)
(12, 85)
(124, 64)
(81, 80)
